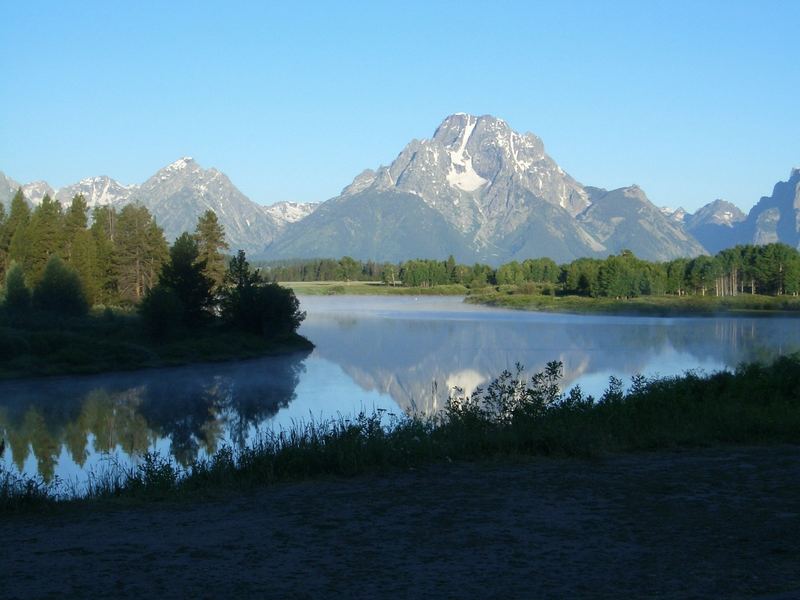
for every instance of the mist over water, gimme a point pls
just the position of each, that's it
(398, 353)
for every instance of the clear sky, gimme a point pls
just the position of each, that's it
(690, 100)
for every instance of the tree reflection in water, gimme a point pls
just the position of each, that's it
(195, 408)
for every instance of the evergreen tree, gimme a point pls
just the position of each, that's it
(18, 218)
(184, 273)
(45, 236)
(104, 220)
(140, 250)
(3, 249)
(210, 236)
(17, 297)
(59, 290)
(75, 221)
(83, 258)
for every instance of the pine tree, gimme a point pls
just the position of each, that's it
(184, 273)
(59, 290)
(105, 286)
(18, 218)
(75, 221)
(140, 249)
(17, 297)
(45, 236)
(83, 258)
(210, 236)
(3, 249)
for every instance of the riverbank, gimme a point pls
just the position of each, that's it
(644, 305)
(703, 523)
(108, 341)
(370, 288)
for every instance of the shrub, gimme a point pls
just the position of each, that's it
(251, 305)
(161, 311)
(17, 296)
(60, 290)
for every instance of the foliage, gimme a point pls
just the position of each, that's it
(59, 290)
(162, 312)
(17, 296)
(773, 269)
(184, 274)
(210, 237)
(252, 305)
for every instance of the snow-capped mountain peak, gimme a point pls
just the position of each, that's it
(291, 212)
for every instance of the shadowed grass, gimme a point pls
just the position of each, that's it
(513, 416)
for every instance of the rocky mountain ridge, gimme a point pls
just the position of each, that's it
(498, 197)
(476, 189)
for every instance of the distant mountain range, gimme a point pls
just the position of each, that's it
(476, 189)
(177, 195)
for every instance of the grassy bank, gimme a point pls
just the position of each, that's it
(509, 297)
(116, 340)
(513, 416)
(370, 288)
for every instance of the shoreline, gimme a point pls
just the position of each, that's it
(654, 306)
(261, 348)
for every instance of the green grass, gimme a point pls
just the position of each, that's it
(514, 416)
(114, 340)
(509, 297)
(370, 288)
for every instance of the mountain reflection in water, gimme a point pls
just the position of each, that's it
(417, 349)
(399, 353)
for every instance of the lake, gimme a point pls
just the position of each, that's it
(402, 354)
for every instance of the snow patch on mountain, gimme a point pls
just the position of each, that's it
(291, 212)
(462, 174)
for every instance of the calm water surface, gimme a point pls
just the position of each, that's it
(398, 353)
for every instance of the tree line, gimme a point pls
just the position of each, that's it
(52, 260)
(772, 269)
(117, 259)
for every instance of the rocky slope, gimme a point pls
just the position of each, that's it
(775, 218)
(498, 196)
(180, 192)
(715, 225)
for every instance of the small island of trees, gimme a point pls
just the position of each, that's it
(115, 295)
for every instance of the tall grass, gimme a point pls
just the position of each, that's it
(515, 415)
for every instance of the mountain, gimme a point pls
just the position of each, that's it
(365, 225)
(775, 218)
(176, 196)
(674, 214)
(625, 218)
(36, 190)
(290, 212)
(98, 191)
(8, 187)
(715, 225)
(489, 194)
(182, 191)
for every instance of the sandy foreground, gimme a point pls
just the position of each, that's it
(722, 523)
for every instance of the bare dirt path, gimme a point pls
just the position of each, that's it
(722, 523)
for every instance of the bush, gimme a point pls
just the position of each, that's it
(253, 306)
(60, 291)
(12, 345)
(17, 296)
(161, 311)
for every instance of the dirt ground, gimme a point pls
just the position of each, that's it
(722, 523)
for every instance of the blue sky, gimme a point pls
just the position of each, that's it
(690, 100)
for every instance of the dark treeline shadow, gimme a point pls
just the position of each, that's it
(195, 408)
